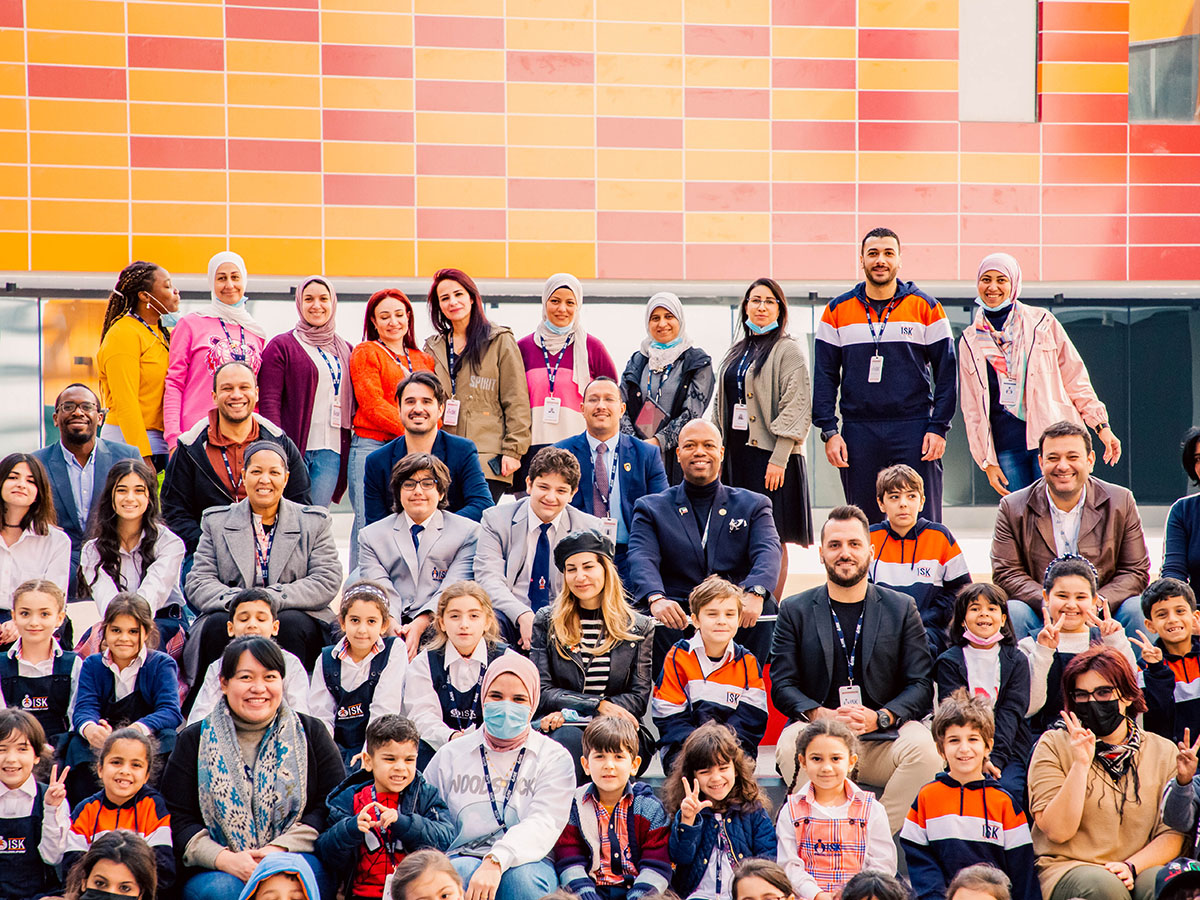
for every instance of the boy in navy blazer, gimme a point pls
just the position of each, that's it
(422, 401)
(698, 528)
(630, 468)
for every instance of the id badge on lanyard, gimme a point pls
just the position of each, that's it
(741, 417)
(450, 413)
(551, 410)
(1008, 391)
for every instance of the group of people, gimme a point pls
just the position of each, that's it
(466, 711)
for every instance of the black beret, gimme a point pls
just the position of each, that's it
(587, 540)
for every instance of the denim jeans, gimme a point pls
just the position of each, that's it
(323, 467)
(1025, 622)
(360, 449)
(531, 881)
(1020, 467)
(217, 885)
(1131, 617)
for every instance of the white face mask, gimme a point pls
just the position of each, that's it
(1003, 306)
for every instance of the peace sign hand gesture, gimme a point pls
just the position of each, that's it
(1105, 622)
(56, 790)
(1150, 653)
(691, 806)
(1185, 761)
(1083, 742)
(1048, 636)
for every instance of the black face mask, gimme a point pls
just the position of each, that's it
(1101, 717)
(97, 894)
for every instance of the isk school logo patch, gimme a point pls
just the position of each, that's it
(350, 711)
(12, 845)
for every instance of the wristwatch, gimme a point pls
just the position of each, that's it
(885, 720)
(827, 434)
(759, 591)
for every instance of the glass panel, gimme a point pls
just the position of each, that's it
(70, 340)
(20, 385)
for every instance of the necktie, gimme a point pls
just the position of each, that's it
(416, 536)
(600, 482)
(539, 575)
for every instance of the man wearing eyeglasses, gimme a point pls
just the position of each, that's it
(418, 549)
(78, 464)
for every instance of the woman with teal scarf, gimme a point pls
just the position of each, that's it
(764, 411)
(250, 780)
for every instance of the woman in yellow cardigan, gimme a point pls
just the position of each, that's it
(134, 345)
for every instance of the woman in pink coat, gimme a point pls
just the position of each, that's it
(1018, 374)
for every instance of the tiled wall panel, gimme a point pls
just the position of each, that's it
(643, 139)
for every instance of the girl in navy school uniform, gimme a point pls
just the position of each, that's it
(719, 817)
(1075, 619)
(985, 660)
(36, 674)
(34, 819)
(442, 691)
(362, 675)
(128, 683)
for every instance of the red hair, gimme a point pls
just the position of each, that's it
(1109, 665)
(371, 333)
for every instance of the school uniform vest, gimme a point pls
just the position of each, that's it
(46, 697)
(353, 707)
(460, 709)
(23, 873)
(118, 714)
(832, 850)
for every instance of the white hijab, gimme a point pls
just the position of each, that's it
(661, 357)
(218, 310)
(554, 343)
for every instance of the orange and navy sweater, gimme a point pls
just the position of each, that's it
(692, 689)
(145, 814)
(1172, 689)
(919, 378)
(927, 565)
(951, 826)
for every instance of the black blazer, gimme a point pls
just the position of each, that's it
(629, 676)
(893, 666)
(1013, 740)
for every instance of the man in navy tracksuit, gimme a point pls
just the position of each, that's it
(888, 346)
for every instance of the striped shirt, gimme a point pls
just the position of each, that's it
(596, 668)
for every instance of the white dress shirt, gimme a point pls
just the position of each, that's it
(388, 690)
(421, 703)
(43, 669)
(1066, 524)
(33, 555)
(158, 586)
(17, 803)
(83, 481)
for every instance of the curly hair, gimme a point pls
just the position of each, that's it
(714, 744)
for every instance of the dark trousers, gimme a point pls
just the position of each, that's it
(757, 639)
(876, 445)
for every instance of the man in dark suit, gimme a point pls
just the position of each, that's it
(78, 464)
(699, 528)
(422, 401)
(856, 652)
(615, 470)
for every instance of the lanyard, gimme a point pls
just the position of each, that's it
(887, 314)
(264, 558)
(742, 369)
(552, 374)
(612, 475)
(850, 649)
(386, 840)
(497, 811)
(236, 485)
(388, 351)
(724, 846)
(656, 396)
(336, 377)
(453, 365)
(240, 354)
(157, 334)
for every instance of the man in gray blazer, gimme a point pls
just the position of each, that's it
(78, 464)
(417, 551)
(516, 543)
(292, 555)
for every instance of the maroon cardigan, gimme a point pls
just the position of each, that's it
(287, 384)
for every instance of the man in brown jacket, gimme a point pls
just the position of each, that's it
(1069, 511)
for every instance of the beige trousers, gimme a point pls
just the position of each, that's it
(903, 766)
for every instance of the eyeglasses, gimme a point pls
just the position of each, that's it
(425, 484)
(766, 302)
(69, 406)
(1103, 694)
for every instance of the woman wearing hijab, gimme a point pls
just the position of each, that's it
(304, 388)
(667, 383)
(224, 331)
(1018, 374)
(507, 788)
(556, 369)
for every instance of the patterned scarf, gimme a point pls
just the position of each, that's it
(246, 807)
(1116, 759)
(1006, 351)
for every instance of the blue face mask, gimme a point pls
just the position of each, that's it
(504, 719)
(659, 345)
(1003, 306)
(559, 329)
(169, 320)
(764, 329)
